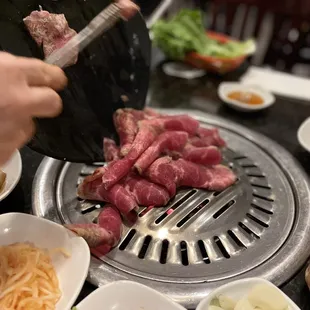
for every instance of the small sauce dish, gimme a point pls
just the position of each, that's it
(245, 98)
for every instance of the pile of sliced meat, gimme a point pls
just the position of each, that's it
(157, 155)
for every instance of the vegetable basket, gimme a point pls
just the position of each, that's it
(219, 65)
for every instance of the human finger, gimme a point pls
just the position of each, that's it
(39, 73)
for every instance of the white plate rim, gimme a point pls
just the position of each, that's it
(269, 98)
(121, 282)
(18, 159)
(299, 134)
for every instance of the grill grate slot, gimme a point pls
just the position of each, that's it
(146, 243)
(261, 209)
(255, 175)
(90, 209)
(175, 206)
(221, 246)
(224, 209)
(164, 251)
(256, 220)
(240, 157)
(248, 230)
(249, 166)
(192, 213)
(184, 254)
(234, 237)
(263, 197)
(203, 251)
(261, 186)
(127, 240)
(145, 211)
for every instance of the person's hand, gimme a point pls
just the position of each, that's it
(129, 8)
(27, 90)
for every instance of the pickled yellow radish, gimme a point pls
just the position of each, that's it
(243, 304)
(215, 308)
(267, 297)
(226, 303)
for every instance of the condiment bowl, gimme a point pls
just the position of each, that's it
(71, 271)
(227, 87)
(239, 289)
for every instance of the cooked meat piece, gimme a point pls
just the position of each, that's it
(93, 234)
(110, 150)
(167, 141)
(145, 192)
(174, 122)
(110, 219)
(50, 31)
(106, 233)
(175, 173)
(2, 179)
(126, 195)
(126, 124)
(207, 156)
(162, 172)
(91, 188)
(208, 137)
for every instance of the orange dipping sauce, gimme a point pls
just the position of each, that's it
(245, 97)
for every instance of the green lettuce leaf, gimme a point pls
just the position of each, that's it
(185, 33)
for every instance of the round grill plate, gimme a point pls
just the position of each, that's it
(200, 240)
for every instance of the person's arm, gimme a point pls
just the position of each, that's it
(27, 90)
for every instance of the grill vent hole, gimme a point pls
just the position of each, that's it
(249, 166)
(256, 175)
(248, 230)
(184, 256)
(203, 252)
(261, 186)
(256, 220)
(192, 213)
(223, 209)
(221, 247)
(164, 251)
(261, 209)
(175, 206)
(145, 210)
(236, 239)
(263, 197)
(127, 239)
(240, 157)
(146, 243)
(91, 209)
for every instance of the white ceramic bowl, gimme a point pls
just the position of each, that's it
(303, 134)
(225, 88)
(127, 295)
(13, 170)
(72, 272)
(239, 289)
